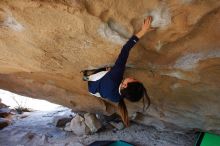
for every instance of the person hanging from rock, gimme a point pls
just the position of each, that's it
(110, 85)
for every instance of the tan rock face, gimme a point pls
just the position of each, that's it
(45, 44)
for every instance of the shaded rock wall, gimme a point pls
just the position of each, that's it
(45, 44)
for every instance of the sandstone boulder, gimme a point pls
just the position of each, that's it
(78, 125)
(92, 122)
(67, 127)
(45, 44)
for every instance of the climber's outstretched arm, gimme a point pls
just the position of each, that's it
(118, 69)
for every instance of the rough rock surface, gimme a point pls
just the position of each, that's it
(45, 43)
(37, 129)
(78, 125)
(92, 122)
(61, 121)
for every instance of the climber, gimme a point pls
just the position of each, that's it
(109, 84)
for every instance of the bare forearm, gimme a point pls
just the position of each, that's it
(140, 34)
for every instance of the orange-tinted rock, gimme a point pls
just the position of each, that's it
(45, 44)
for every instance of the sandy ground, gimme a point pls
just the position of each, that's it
(37, 129)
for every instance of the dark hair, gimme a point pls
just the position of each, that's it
(134, 92)
(123, 112)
